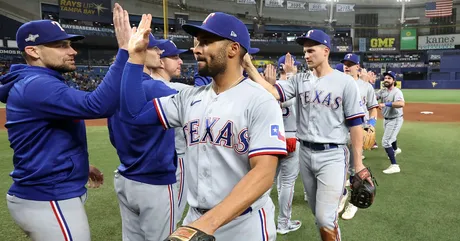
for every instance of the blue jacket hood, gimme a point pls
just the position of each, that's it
(7, 81)
(18, 72)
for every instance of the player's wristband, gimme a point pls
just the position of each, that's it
(372, 122)
(389, 104)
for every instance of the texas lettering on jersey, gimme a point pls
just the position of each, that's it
(224, 136)
(321, 97)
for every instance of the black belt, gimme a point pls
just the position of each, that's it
(203, 211)
(319, 146)
(392, 118)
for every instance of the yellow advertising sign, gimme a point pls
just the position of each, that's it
(263, 62)
(381, 44)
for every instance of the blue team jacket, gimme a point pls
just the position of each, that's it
(46, 131)
(201, 80)
(147, 153)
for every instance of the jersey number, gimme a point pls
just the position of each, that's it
(286, 111)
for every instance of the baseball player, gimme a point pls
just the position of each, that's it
(148, 165)
(199, 80)
(370, 77)
(369, 103)
(392, 103)
(47, 132)
(288, 166)
(328, 107)
(339, 67)
(205, 80)
(170, 67)
(233, 143)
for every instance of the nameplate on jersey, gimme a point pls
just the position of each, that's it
(321, 97)
(217, 132)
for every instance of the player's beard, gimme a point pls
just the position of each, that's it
(215, 66)
(62, 68)
(387, 84)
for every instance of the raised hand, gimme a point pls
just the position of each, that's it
(139, 40)
(270, 74)
(122, 26)
(288, 65)
(247, 62)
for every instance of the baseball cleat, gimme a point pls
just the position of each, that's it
(398, 151)
(374, 147)
(293, 226)
(305, 197)
(363, 157)
(350, 212)
(394, 168)
(343, 201)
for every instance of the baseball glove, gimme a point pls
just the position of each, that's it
(362, 192)
(186, 233)
(369, 137)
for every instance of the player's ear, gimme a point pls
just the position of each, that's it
(233, 49)
(32, 52)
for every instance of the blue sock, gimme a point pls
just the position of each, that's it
(391, 154)
(394, 145)
(345, 191)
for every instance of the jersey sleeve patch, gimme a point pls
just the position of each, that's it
(275, 132)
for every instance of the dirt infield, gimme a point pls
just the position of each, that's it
(412, 112)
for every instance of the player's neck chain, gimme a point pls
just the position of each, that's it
(216, 87)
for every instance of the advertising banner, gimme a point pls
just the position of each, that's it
(180, 19)
(409, 39)
(343, 45)
(383, 44)
(447, 41)
(86, 10)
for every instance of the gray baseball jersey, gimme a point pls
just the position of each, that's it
(392, 95)
(325, 104)
(289, 117)
(179, 131)
(368, 98)
(222, 133)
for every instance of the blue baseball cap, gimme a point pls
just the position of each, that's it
(315, 35)
(153, 42)
(282, 59)
(170, 49)
(351, 57)
(339, 67)
(40, 32)
(222, 25)
(253, 50)
(390, 73)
